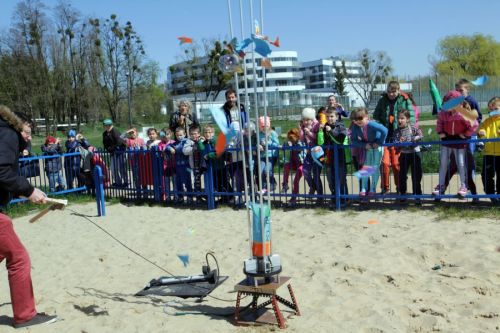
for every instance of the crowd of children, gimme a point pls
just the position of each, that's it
(187, 151)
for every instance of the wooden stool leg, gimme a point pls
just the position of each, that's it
(237, 310)
(277, 312)
(292, 295)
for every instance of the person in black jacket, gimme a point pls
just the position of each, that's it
(115, 146)
(15, 131)
(183, 117)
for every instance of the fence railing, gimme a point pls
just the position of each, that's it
(154, 176)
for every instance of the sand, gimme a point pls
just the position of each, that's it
(356, 271)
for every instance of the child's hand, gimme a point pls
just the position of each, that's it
(321, 126)
(483, 132)
(261, 148)
(442, 135)
(328, 128)
(307, 131)
(289, 144)
(172, 150)
(368, 146)
(375, 146)
(462, 136)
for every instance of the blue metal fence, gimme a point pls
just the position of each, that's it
(150, 175)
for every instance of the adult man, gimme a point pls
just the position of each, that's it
(15, 132)
(115, 145)
(332, 104)
(230, 109)
(385, 113)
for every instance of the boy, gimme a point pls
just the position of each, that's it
(182, 174)
(334, 132)
(490, 129)
(220, 175)
(385, 113)
(53, 166)
(196, 161)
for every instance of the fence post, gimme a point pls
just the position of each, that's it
(157, 172)
(99, 192)
(209, 185)
(336, 175)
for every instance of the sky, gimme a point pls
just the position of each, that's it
(409, 31)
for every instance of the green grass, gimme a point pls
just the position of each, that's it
(457, 212)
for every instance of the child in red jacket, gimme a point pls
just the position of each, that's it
(452, 126)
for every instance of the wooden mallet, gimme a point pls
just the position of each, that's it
(56, 204)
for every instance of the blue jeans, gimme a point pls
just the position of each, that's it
(55, 179)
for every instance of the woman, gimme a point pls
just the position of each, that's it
(183, 117)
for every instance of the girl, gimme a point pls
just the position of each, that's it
(266, 133)
(168, 162)
(369, 135)
(309, 128)
(410, 156)
(297, 155)
(451, 125)
(153, 138)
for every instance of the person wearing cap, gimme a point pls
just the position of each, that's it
(53, 165)
(15, 131)
(114, 144)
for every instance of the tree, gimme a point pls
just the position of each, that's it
(461, 55)
(375, 67)
(215, 80)
(339, 79)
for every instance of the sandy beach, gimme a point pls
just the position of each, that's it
(354, 271)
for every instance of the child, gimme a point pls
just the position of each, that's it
(72, 163)
(490, 129)
(334, 132)
(168, 162)
(388, 106)
(309, 128)
(183, 176)
(196, 160)
(53, 166)
(153, 138)
(451, 125)
(410, 156)
(369, 135)
(297, 155)
(266, 167)
(134, 146)
(219, 172)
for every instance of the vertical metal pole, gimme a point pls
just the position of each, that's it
(245, 181)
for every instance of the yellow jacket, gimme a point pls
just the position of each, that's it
(489, 129)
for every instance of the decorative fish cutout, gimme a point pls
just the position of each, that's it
(184, 258)
(227, 132)
(318, 155)
(452, 103)
(436, 97)
(365, 171)
(276, 42)
(266, 63)
(185, 40)
(480, 80)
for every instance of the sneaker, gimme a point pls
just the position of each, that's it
(284, 188)
(418, 202)
(385, 191)
(462, 192)
(39, 318)
(370, 194)
(362, 193)
(475, 200)
(439, 190)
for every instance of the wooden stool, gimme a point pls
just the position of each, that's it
(259, 314)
